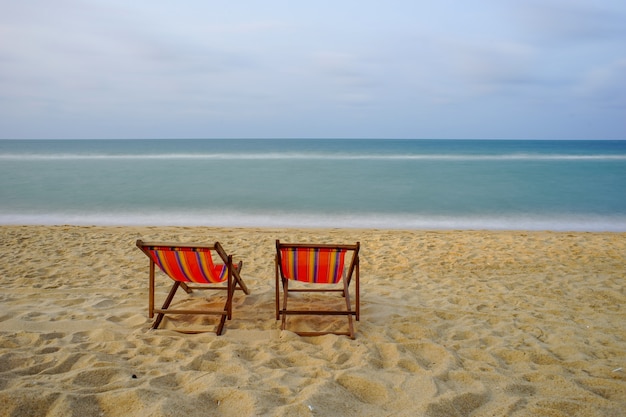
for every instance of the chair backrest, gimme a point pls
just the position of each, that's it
(320, 264)
(187, 263)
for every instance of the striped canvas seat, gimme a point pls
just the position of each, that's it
(313, 265)
(188, 264)
(309, 265)
(192, 267)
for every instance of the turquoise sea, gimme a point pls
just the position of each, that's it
(407, 184)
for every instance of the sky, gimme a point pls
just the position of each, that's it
(492, 69)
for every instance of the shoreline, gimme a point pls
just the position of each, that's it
(367, 221)
(454, 322)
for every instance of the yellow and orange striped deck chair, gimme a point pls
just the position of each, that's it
(192, 267)
(317, 268)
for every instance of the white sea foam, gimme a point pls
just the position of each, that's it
(585, 223)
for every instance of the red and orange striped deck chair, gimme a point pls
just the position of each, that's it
(324, 267)
(192, 267)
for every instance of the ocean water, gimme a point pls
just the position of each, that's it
(406, 184)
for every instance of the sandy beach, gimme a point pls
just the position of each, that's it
(453, 323)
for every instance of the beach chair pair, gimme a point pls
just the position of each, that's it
(299, 268)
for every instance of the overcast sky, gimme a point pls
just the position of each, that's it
(511, 69)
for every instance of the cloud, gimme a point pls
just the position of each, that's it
(489, 67)
(405, 68)
(345, 78)
(105, 60)
(606, 86)
(450, 69)
(571, 21)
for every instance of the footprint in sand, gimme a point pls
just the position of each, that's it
(431, 357)
(458, 405)
(129, 319)
(365, 389)
(104, 304)
(98, 377)
(34, 316)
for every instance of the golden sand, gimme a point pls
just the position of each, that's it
(453, 323)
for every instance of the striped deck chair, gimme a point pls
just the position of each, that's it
(321, 266)
(192, 267)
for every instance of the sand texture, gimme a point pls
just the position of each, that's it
(453, 323)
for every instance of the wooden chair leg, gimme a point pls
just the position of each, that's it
(220, 326)
(277, 298)
(348, 308)
(238, 280)
(230, 291)
(358, 293)
(166, 304)
(151, 291)
(186, 288)
(285, 295)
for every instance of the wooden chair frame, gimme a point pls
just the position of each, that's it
(233, 282)
(352, 274)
